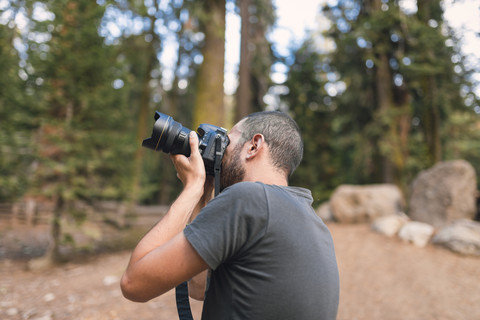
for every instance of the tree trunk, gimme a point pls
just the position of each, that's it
(384, 101)
(431, 115)
(244, 84)
(393, 107)
(210, 93)
(143, 115)
(431, 119)
(53, 253)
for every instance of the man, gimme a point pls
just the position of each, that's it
(269, 255)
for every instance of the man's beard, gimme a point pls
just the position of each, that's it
(232, 172)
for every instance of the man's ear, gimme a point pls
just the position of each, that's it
(256, 145)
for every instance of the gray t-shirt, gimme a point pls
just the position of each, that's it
(271, 256)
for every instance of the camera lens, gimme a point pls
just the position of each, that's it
(169, 136)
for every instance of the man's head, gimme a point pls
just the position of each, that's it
(275, 131)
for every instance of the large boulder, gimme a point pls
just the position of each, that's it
(352, 204)
(444, 193)
(461, 236)
(324, 212)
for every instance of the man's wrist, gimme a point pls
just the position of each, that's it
(194, 189)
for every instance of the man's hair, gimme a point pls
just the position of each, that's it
(282, 135)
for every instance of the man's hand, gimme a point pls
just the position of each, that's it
(191, 170)
(164, 258)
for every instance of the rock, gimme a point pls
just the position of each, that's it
(351, 204)
(461, 236)
(47, 316)
(444, 193)
(389, 225)
(12, 312)
(49, 297)
(324, 212)
(418, 233)
(40, 264)
(109, 280)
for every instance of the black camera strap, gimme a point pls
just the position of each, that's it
(183, 304)
(217, 164)
(181, 291)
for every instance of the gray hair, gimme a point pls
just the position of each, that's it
(282, 135)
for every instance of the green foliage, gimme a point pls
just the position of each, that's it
(403, 97)
(462, 137)
(83, 142)
(77, 98)
(17, 120)
(307, 99)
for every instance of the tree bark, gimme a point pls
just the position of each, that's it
(209, 99)
(431, 114)
(244, 94)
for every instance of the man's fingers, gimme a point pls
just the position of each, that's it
(192, 168)
(193, 142)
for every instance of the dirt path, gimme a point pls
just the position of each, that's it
(384, 278)
(381, 278)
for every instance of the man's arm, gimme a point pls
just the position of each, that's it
(164, 258)
(197, 284)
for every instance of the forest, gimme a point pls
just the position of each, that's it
(379, 93)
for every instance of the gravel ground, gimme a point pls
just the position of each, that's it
(380, 278)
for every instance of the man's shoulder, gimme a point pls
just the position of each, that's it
(245, 187)
(261, 189)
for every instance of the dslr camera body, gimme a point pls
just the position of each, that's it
(171, 137)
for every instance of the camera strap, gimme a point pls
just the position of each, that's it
(183, 304)
(217, 164)
(181, 291)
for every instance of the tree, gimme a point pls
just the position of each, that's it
(17, 117)
(256, 56)
(381, 53)
(369, 44)
(209, 93)
(143, 50)
(155, 85)
(310, 105)
(392, 88)
(244, 84)
(82, 147)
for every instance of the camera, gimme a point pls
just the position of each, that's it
(171, 137)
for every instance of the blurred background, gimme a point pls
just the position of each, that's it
(381, 89)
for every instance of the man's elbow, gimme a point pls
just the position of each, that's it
(131, 291)
(196, 287)
(196, 294)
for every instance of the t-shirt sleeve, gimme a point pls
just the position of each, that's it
(230, 224)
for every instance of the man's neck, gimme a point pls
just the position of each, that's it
(267, 176)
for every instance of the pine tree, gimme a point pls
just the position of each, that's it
(82, 145)
(397, 90)
(17, 117)
(256, 57)
(382, 53)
